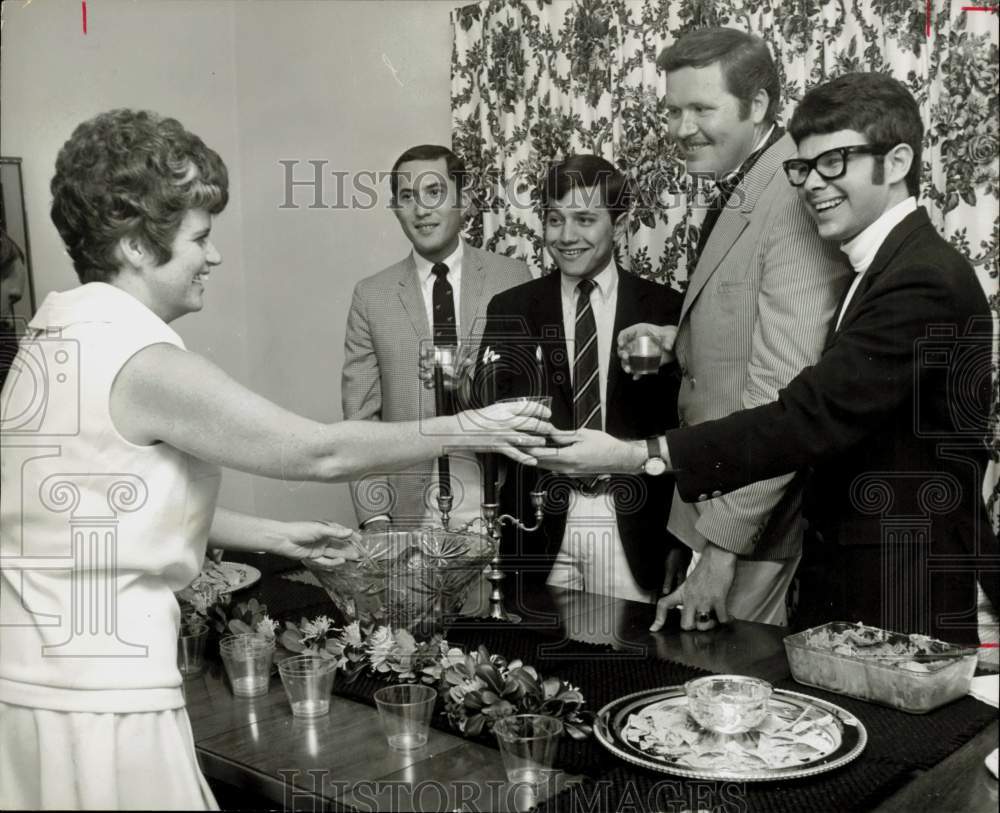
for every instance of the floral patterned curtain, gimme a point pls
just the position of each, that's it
(534, 80)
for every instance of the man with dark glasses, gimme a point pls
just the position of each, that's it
(890, 424)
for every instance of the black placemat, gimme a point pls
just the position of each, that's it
(898, 745)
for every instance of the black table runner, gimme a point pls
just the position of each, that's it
(899, 744)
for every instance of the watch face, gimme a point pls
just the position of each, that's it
(654, 466)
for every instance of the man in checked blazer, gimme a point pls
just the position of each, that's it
(758, 302)
(391, 318)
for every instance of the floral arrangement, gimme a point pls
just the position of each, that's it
(202, 603)
(477, 688)
(481, 688)
(250, 618)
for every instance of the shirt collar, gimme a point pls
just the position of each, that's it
(861, 249)
(453, 261)
(606, 281)
(94, 302)
(756, 149)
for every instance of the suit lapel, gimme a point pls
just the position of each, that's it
(547, 316)
(890, 246)
(473, 283)
(412, 297)
(728, 228)
(732, 221)
(626, 313)
(832, 330)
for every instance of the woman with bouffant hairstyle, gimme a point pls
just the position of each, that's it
(91, 706)
(131, 173)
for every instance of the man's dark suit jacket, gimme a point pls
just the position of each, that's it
(891, 425)
(529, 316)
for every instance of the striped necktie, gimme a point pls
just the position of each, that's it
(586, 378)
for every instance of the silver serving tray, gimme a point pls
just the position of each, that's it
(612, 720)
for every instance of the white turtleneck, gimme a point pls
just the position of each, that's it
(861, 249)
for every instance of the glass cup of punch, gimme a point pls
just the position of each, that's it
(728, 704)
(644, 356)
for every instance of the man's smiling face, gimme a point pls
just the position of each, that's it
(845, 206)
(429, 208)
(579, 234)
(704, 118)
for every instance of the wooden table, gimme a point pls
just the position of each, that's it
(342, 760)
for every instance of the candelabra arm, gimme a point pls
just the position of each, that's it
(538, 503)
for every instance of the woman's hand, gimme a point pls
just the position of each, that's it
(504, 428)
(326, 543)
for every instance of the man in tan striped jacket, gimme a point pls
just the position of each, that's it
(757, 305)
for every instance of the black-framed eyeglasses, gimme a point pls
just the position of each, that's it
(829, 165)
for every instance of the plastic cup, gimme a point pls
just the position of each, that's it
(405, 712)
(644, 356)
(528, 747)
(247, 659)
(191, 650)
(308, 681)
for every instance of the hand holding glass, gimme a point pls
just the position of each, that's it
(644, 356)
(456, 363)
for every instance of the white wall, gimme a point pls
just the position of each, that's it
(259, 81)
(175, 58)
(314, 84)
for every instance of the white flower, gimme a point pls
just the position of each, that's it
(317, 628)
(352, 634)
(267, 626)
(380, 649)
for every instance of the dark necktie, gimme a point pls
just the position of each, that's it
(586, 379)
(724, 190)
(443, 302)
(445, 334)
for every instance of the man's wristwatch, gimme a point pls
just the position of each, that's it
(655, 464)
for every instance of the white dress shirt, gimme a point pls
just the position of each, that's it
(591, 556)
(426, 278)
(862, 248)
(466, 477)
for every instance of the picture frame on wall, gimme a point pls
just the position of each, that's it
(17, 297)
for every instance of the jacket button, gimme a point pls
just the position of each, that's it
(716, 493)
(702, 497)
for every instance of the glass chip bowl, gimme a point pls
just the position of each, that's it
(728, 704)
(415, 579)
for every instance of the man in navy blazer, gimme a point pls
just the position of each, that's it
(891, 423)
(603, 535)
